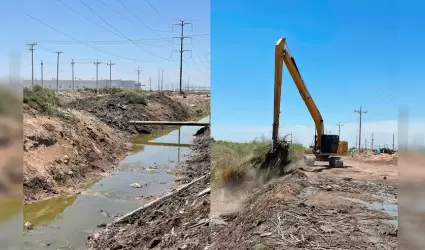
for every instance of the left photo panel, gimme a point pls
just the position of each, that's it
(105, 115)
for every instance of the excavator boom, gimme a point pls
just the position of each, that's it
(324, 145)
(282, 54)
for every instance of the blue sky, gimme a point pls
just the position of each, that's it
(350, 53)
(121, 23)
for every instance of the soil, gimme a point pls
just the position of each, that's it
(117, 112)
(378, 159)
(10, 157)
(180, 221)
(66, 152)
(311, 208)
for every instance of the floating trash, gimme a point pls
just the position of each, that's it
(136, 185)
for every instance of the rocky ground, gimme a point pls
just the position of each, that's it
(179, 221)
(312, 208)
(88, 136)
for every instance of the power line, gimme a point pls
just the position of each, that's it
(45, 49)
(123, 16)
(86, 44)
(157, 12)
(117, 32)
(114, 41)
(103, 27)
(377, 97)
(360, 112)
(132, 13)
(197, 55)
(121, 34)
(140, 21)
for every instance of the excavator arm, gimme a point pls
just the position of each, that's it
(282, 55)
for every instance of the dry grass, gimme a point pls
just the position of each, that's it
(232, 162)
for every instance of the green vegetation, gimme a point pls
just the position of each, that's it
(121, 90)
(111, 90)
(10, 103)
(42, 99)
(260, 246)
(197, 92)
(232, 160)
(131, 95)
(387, 151)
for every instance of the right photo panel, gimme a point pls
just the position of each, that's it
(304, 135)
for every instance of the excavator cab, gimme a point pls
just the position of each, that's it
(329, 144)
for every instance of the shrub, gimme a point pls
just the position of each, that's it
(231, 160)
(133, 97)
(42, 99)
(10, 103)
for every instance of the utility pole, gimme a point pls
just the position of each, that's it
(360, 112)
(57, 71)
(339, 128)
(162, 79)
(158, 79)
(32, 45)
(372, 141)
(365, 143)
(150, 83)
(42, 78)
(182, 23)
(138, 76)
(97, 75)
(393, 142)
(110, 64)
(72, 73)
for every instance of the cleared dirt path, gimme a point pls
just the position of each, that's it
(314, 208)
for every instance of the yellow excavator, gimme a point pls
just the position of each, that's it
(325, 147)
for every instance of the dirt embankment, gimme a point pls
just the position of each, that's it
(10, 157)
(86, 138)
(179, 221)
(378, 159)
(10, 142)
(117, 110)
(313, 208)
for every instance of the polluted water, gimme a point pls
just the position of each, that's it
(145, 174)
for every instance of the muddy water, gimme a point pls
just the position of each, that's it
(65, 222)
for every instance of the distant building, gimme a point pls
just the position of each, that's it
(82, 84)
